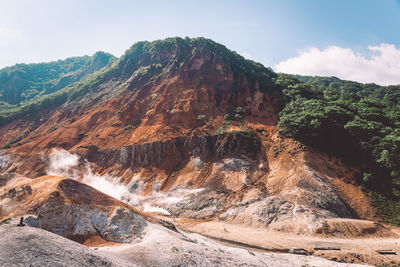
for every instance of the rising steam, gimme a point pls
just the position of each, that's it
(66, 164)
(63, 163)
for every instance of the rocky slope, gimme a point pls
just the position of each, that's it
(69, 208)
(192, 114)
(28, 246)
(186, 128)
(78, 212)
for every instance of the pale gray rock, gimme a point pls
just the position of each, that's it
(29, 246)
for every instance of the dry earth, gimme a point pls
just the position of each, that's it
(202, 126)
(167, 248)
(352, 250)
(29, 246)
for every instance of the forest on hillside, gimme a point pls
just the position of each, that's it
(359, 123)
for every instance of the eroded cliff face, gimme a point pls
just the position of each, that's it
(252, 179)
(69, 208)
(160, 126)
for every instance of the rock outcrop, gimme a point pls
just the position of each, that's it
(28, 246)
(188, 114)
(70, 209)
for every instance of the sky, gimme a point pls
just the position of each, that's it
(351, 39)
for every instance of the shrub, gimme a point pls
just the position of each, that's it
(238, 117)
(128, 127)
(6, 146)
(202, 118)
(220, 130)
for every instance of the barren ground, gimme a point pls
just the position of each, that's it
(167, 248)
(352, 250)
(28, 246)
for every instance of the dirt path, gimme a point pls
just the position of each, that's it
(361, 250)
(167, 248)
(28, 246)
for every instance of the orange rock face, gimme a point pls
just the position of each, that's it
(69, 208)
(202, 124)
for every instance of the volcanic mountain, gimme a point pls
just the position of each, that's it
(190, 128)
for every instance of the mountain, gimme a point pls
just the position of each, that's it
(359, 123)
(26, 88)
(193, 133)
(24, 82)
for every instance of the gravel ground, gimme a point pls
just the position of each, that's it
(161, 247)
(28, 246)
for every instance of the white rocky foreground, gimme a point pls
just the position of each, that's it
(28, 246)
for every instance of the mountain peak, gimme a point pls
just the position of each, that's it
(203, 135)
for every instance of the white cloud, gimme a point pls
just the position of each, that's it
(382, 66)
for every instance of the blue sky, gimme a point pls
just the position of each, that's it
(284, 34)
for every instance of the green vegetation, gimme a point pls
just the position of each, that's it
(361, 126)
(159, 63)
(240, 110)
(226, 125)
(228, 118)
(24, 82)
(220, 130)
(239, 113)
(250, 136)
(133, 125)
(360, 123)
(388, 209)
(27, 89)
(235, 114)
(202, 118)
(389, 93)
(6, 146)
